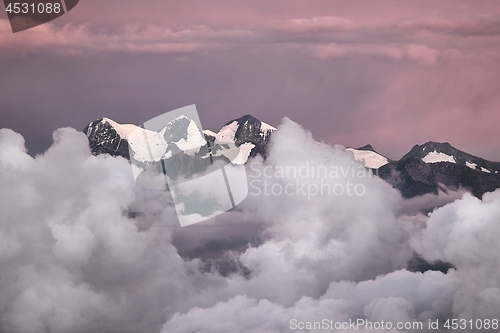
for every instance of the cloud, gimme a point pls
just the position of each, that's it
(74, 261)
(321, 24)
(427, 202)
(84, 250)
(329, 51)
(479, 25)
(328, 37)
(398, 297)
(243, 314)
(416, 53)
(465, 233)
(76, 39)
(422, 54)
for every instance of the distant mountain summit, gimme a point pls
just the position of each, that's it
(367, 147)
(422, 151)
(436, 166)
(435, 152)
(247, 132)
(105, 137)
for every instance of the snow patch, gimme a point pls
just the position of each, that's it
(122, 130)
(209, 133)
(471, 165)
(370, 159)
(266, 127)
(195, 140)
(435, 157)
(245, 150)
(226, 134)
(146, 145)
(474, 166)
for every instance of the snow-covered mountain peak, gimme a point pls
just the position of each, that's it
(183, 134)
(367, 147)
(248, 133)
(436, 152)
(122, 129)
(421, 151)
(369, 157)
(243, 126)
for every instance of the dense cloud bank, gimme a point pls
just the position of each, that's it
(83, 249)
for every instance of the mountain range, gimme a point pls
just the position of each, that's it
(426, 168)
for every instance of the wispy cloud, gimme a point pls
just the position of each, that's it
(327, 37)
(484, 25)
(316, 25)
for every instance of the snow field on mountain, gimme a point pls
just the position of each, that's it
(370, 159)
(435, 157)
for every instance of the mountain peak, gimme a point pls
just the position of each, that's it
(247, 117)
(244, 119)
(435, 152)
(247, 130)
(435, 143)
(438, 145)
(106, 137)
(369, 157)
(421, 151)
(367, 147)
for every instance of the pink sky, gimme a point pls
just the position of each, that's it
(390, 73)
